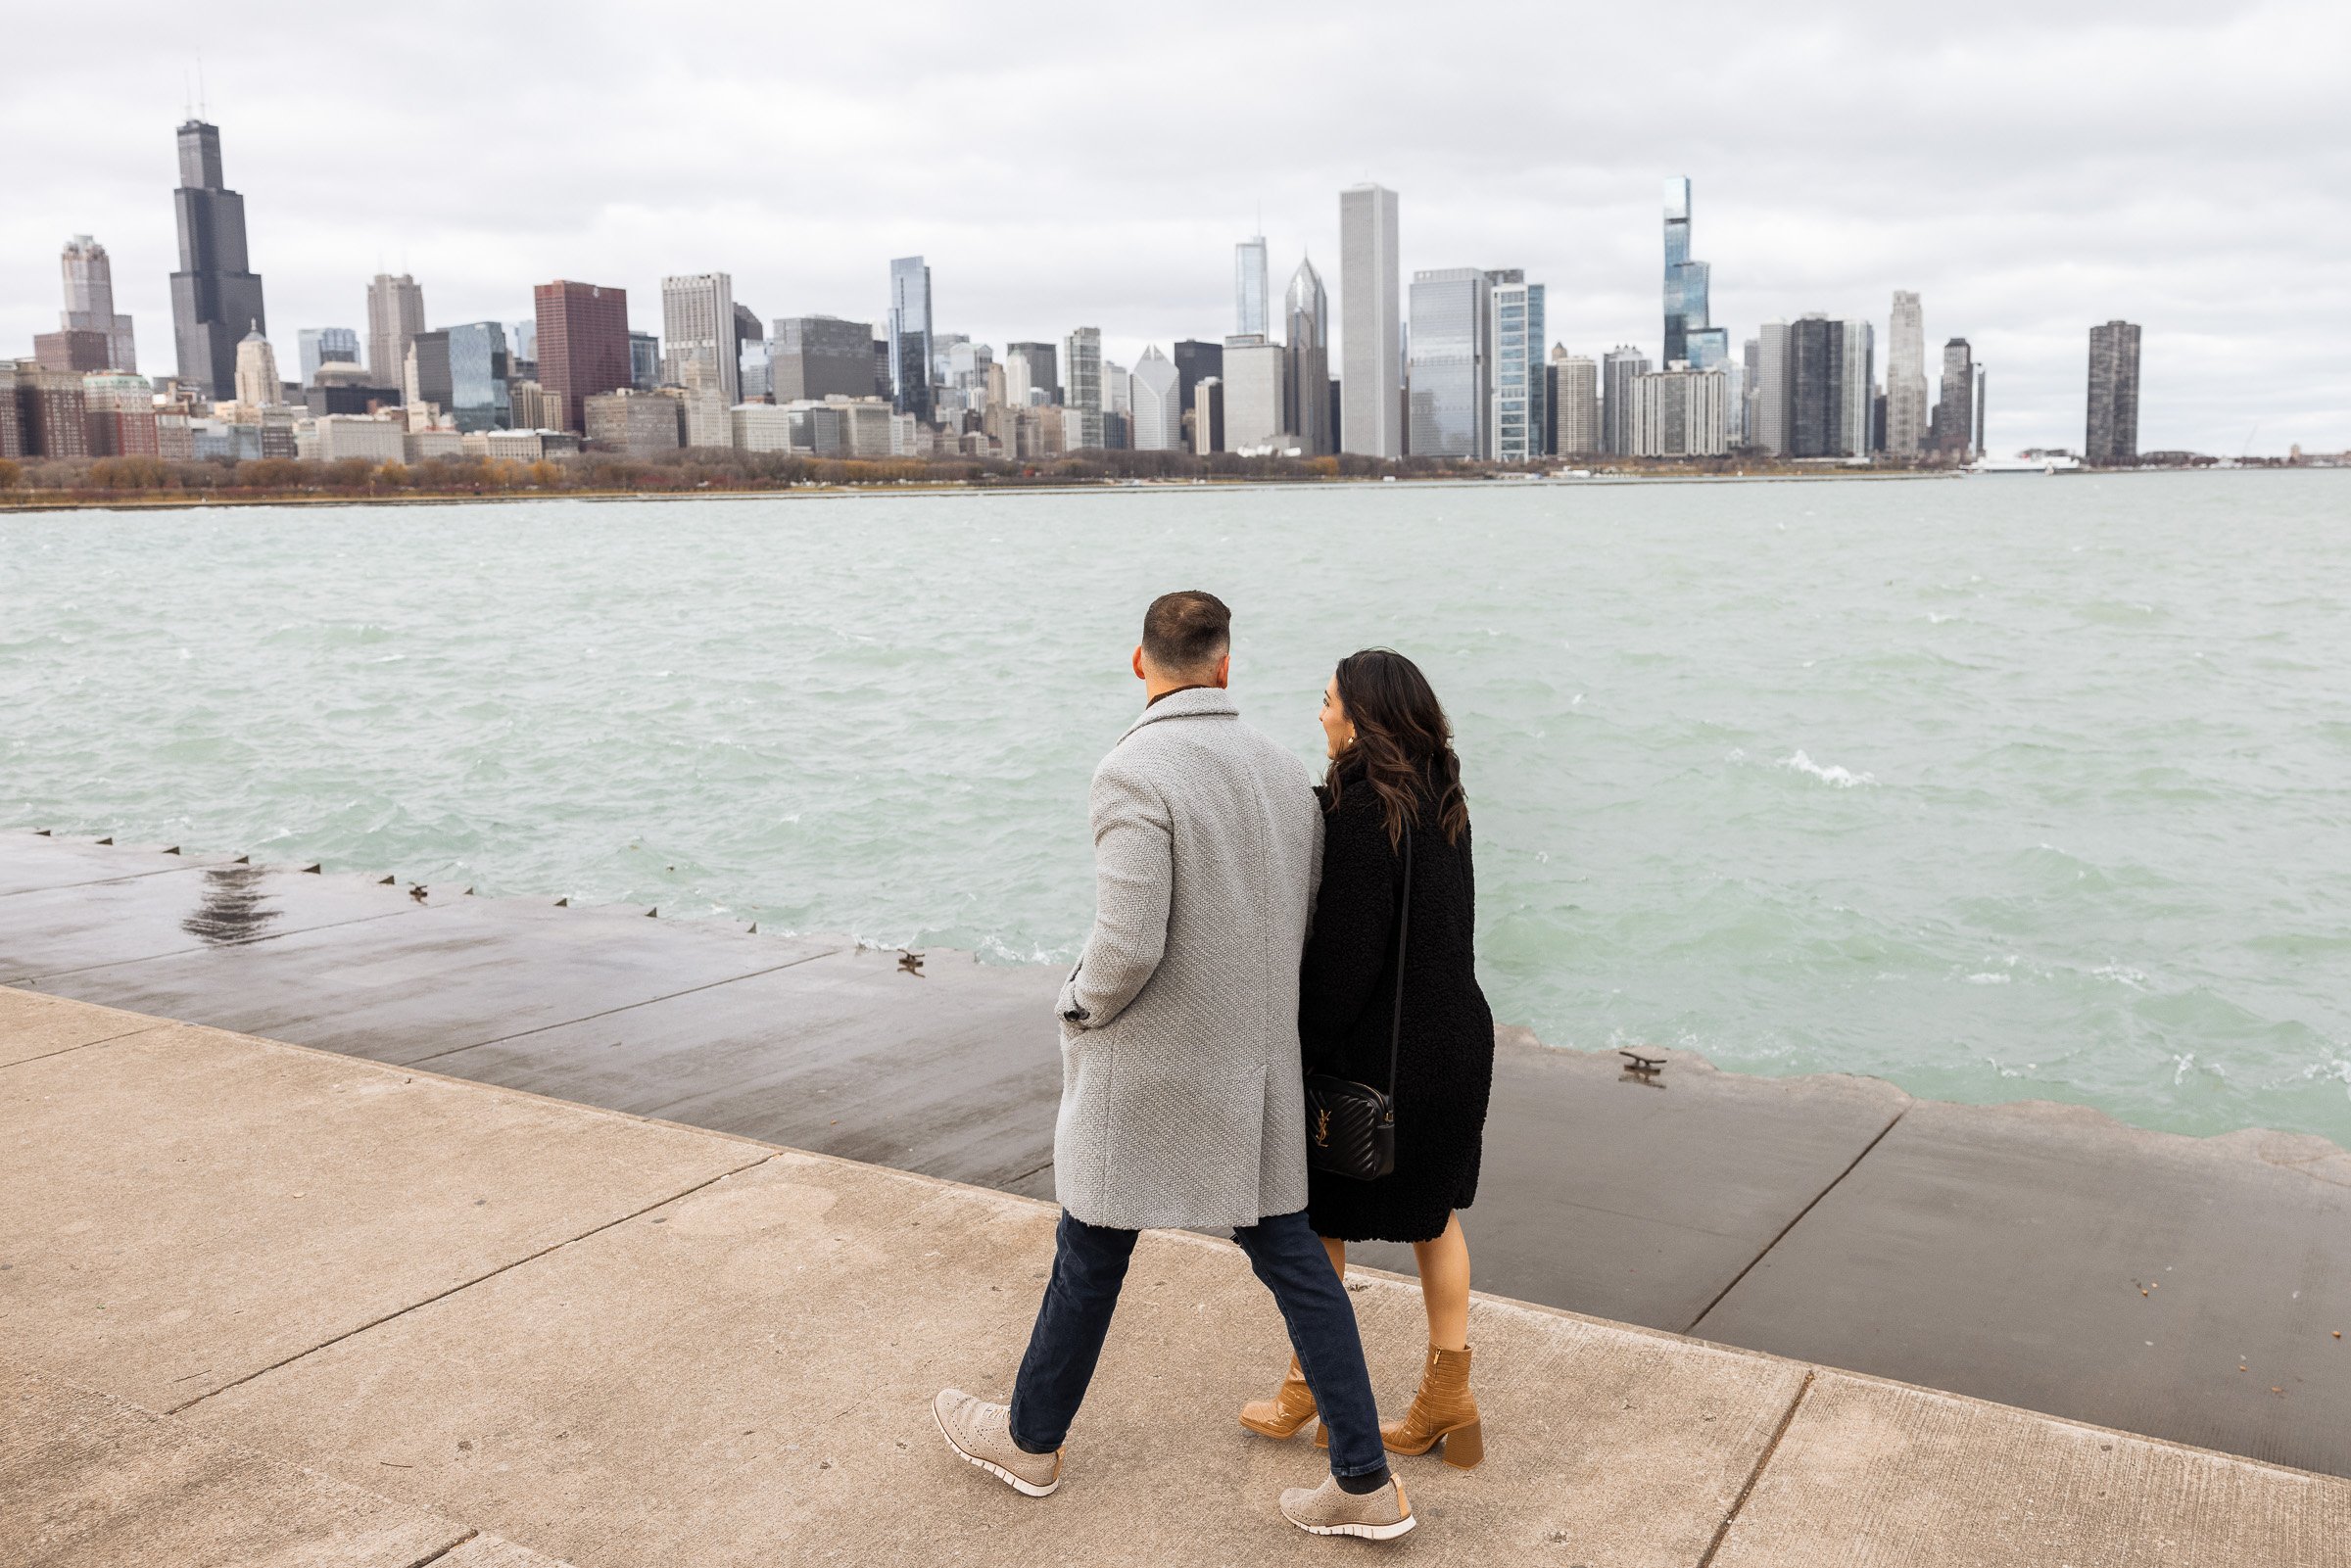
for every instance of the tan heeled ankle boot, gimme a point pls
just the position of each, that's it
(1292, 1406)
(1443, 1411)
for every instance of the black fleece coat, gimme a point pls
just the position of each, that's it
(1347, 989)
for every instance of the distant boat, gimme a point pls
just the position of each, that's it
(2038, 463)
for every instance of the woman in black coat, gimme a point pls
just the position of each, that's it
(1393, 773)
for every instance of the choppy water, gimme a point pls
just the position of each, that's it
(2000, 788)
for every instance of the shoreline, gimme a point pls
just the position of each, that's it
(131, 501)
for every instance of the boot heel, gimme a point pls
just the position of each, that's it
(1465, 1446)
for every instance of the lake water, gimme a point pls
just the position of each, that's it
(2001, 788)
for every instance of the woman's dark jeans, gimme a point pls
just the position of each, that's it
(1089, 1263)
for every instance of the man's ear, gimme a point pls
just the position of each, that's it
(1138, 664)
(1223, 671)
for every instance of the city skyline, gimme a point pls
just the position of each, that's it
(2008, 246)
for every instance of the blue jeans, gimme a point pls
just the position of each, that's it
(1089, 1263)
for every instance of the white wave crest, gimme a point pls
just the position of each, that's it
(1841, 778)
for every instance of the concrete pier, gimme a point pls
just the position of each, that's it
(2038, 1256)
(261, 1304)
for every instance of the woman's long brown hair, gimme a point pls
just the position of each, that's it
(1403, 748)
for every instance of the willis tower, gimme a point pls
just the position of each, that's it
(214, 299)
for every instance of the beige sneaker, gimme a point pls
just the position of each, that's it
(1327, 1510)
(982, 1434)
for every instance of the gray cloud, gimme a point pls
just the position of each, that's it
(2029, 169)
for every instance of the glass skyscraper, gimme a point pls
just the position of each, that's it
(1515, 416)
(1686, 285)
(478, 368)
(1451, 362)
(910, 336)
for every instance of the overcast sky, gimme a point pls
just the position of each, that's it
(2029, 168)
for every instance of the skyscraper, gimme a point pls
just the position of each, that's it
(326, 346)
(1514, 413)
(1679, 412)
(395, 315)
(1370, 328)
(1082, 350)
(910, 336)
(583, 344)
(2112, 440)
(1617, 368)
(644, 361)
(1306, 361)
(817, 357)
(1687, 282)
(90, 301)
(1250, 286)
(1451, 364)
(1252, 392)
(1158, 392)
(1816, 421)
(256, 382)
(216, 299)
(1574, 404)
(1775, 395)
(1906, 377)
(697, 326)
(477, 365)
(1857, 388)
(1953, 427)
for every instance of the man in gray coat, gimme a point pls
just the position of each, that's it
(1181, 1103)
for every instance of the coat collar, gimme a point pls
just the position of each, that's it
(1205, 701)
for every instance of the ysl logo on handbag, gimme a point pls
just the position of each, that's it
(1323, 1129)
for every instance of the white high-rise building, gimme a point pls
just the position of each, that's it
(90, 301)
(1370, 324)
(1017, 383)
(1158, 392)
(1575, 403)
(395, 315)
(1250, 286)
(1117, 396)
(1775, 393)
(1679, 412)
(1081, 388)
(1252, 391)
(1515, 424)
(1857, 387)
(1906, 377)
(697, 325)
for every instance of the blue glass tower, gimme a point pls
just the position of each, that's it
(1687, 310)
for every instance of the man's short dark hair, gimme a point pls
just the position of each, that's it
(1187, 631)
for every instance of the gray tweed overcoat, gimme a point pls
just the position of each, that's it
(1180, 1092)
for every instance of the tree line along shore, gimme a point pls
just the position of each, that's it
(115, 481)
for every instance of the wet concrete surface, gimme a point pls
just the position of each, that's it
(2046, 1255)
(43, 860)
(1976, 1250)
(953, 1072)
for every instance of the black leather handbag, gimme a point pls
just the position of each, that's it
(1351, 1126)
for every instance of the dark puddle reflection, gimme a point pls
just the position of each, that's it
(233, 909)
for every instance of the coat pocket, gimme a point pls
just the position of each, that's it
(1185, 1140)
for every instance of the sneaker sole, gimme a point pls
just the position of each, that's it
(1401, 1526)
(1027, 1489)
